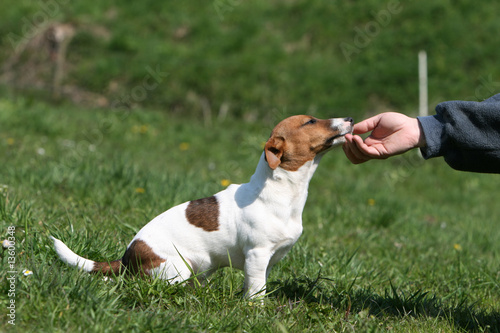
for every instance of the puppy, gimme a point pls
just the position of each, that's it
(249, 226)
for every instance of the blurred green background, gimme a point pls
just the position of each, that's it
(246, 58)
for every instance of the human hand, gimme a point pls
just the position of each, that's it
(391, 134)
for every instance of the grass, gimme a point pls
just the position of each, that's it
(252, 57)
(400, 245)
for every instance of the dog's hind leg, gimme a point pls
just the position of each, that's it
(175, 271)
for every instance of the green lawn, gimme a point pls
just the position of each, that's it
(189, 92)
(402, 245)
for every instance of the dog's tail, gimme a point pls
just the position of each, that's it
(73, 259)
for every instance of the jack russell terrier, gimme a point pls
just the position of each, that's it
(249, 226)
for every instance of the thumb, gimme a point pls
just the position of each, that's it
(366, 125)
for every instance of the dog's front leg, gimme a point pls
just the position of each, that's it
(256, 262)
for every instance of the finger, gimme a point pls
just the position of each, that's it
(366, 125)
(350, 155)
(348, 137)
(347, 149)
(364, 151)
(353, 152)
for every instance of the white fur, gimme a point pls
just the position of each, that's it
(258, 224)
(70, 257)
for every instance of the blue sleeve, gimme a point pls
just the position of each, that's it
(466, 134)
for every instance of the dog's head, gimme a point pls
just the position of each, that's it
(299, 139)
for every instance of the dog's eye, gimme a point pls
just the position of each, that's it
(310, 122)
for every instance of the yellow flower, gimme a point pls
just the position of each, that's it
(10, 141)
(225, 182)
(140, 190)
(457, 247)
(184, 146)
(371, 202)
(142, 129)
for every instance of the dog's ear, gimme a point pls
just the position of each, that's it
(274, 151)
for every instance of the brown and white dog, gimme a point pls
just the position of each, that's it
(249, 226)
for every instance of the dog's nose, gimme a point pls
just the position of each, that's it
(349, 119)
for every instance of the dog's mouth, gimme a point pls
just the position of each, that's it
(332, 139)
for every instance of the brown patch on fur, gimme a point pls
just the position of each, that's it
(300, 141)
(108, 268)
(204, 213)
(138, 258)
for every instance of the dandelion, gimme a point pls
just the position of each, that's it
(371, 202)
(225, 182)
(457, 247)
(140, 190)
(40, 151)
(184, 146)
(6, 243)
(27, 272)
(10, 141)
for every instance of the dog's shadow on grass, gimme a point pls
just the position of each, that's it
(393, 302)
